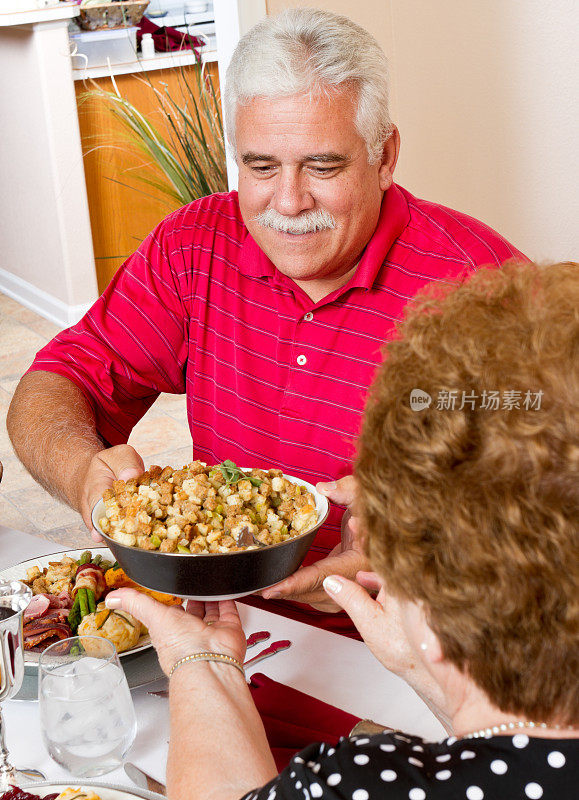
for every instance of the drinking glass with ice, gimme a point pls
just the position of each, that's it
(86, 712)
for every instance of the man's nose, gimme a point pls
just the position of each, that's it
(291, 195)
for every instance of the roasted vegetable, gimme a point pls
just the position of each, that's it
(118, 579)
(74, 617)
(83, 602)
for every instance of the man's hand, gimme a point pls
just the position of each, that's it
(117, 463)
(347, 558)
(53, 430)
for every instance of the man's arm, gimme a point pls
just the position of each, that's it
(53, 431)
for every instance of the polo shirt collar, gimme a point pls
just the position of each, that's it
(394, 217)
(253, 261)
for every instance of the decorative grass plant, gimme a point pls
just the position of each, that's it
(184, 149)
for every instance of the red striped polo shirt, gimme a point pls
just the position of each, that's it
(272, 379)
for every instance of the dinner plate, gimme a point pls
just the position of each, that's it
(18, 572)
(106, 791)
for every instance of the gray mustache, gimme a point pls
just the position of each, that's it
(308, 222)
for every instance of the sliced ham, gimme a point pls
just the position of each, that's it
(38, 631)
(56, 615)
(38, 606)
(42, 603)
(62, 600)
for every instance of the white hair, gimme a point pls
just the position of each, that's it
(308, 50)
(308, 222)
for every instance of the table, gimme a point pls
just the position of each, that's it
(328, 666)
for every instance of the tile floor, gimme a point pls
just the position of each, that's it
(161, 437)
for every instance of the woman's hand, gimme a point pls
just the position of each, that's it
(175, 632)
(380, 623)
(378, 620)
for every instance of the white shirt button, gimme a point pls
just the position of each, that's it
(309, 316)
(302, 360)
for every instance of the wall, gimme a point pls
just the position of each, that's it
(485, 96)
(46, 260)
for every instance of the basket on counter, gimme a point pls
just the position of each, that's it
(123, 14)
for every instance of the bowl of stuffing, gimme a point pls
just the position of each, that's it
(210, 532)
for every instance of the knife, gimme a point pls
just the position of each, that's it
(256, 638)
(142, 780)
(274, 648)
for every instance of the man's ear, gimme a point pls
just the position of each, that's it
(389, 159)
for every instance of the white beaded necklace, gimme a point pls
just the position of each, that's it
(486, 733)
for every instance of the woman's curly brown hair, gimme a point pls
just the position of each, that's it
(475, 511)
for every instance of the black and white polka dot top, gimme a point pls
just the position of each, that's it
(397, 766)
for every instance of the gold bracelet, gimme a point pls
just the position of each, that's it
(219, 657)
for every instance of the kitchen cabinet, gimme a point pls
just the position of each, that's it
(122, 209)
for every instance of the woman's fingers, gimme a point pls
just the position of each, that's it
(228, 612)
(196, 608)
(148, 611)
(306, 585)
(176, 633)
(211, 613)
(355, 601)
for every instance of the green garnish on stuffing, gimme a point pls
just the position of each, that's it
(232, 474)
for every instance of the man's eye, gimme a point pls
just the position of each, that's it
(262, 170)
(323, 171)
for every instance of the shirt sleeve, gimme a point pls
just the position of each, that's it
(133, 343)
(310, 774)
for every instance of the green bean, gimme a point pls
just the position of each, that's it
(85, 557)
(91, 600)
(74, 614)
(83, 600)
(104, 565)
(97, 559)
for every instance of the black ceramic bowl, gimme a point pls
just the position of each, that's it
(220, 576)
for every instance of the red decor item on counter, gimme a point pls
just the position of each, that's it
(168, 39)
(293, 720)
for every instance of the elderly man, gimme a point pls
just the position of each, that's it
(268, 306)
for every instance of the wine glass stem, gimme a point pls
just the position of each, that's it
(6, 768)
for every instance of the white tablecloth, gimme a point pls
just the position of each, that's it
(16, 546)
(328, 666)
